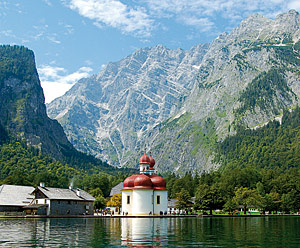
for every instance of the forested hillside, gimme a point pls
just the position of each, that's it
(259, 168)
(21, 164)
(270, 146)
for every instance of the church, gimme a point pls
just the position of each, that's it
(145, 193)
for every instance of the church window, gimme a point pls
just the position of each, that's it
(128, 199)
(158, 199)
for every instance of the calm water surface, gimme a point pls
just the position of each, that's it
(151, 232)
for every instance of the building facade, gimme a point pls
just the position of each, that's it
(58, 201)
(15, 199)
(145, 193)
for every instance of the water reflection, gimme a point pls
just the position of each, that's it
(142, 232)
(151, 232)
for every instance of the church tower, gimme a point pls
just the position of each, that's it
(145, 193)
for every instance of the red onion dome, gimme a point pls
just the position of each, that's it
(142, 182)
(129, 182)
(144, 159)
(152, 162)
(158, 182)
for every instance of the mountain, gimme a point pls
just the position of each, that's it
(246, 78)
(109, 114)
(23, 120)
(180, 104)
(22, 107)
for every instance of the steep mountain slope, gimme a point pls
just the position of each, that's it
(109, 114)
(22, 108)
(246, 78)
(152, 100)
(23, 118)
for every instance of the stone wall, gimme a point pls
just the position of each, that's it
(65, 207)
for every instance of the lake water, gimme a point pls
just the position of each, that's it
(152, 232)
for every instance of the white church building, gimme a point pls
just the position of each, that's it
(145, 193)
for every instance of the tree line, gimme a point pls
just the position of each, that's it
(268, 189)
(259, 168)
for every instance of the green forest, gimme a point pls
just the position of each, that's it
(273, 145)
(21, 164)
(259, 168)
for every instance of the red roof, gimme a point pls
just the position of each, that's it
(158, 182)
(143, 181)
(144, 159)
(129, 182)
(152, 162)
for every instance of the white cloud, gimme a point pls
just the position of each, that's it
(53, 39)
(114, 13)
(47, 2)
(7, 33)
(203, 14)
(204, 24)
(55, 80)
(142, 17)
(294, 5)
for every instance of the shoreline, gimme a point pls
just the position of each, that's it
(142, 216)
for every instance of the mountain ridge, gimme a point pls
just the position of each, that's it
(230, 70)
(140, 77)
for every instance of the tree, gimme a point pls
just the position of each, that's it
(99, 202)
(247, 197)
(272, 201)
(230, 205)
(291, 201)
(96, 181)
(97, 192)
(183, 199)
(209, 197)
(115, 201)
(260, 188)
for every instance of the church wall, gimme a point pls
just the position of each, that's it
(163, 202)
(127, 207)
(142, 199)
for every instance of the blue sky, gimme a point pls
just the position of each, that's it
(72, 39)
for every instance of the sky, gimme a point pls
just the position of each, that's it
(73, 39)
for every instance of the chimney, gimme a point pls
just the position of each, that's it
(42, 184)
(78, 192)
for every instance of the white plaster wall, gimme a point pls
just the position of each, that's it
(142, 201)
(163, 206)
(127, 207)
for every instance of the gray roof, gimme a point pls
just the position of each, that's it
(117, 189)
(171, 203)
(15, 195)
(65, 194)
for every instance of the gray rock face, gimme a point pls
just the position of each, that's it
(109, 114)
(237, 66)
(22, 107)
(179, 104)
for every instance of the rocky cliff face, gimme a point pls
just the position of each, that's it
(179, 104)
(246, 78)
(22, 108)
(109, 114)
